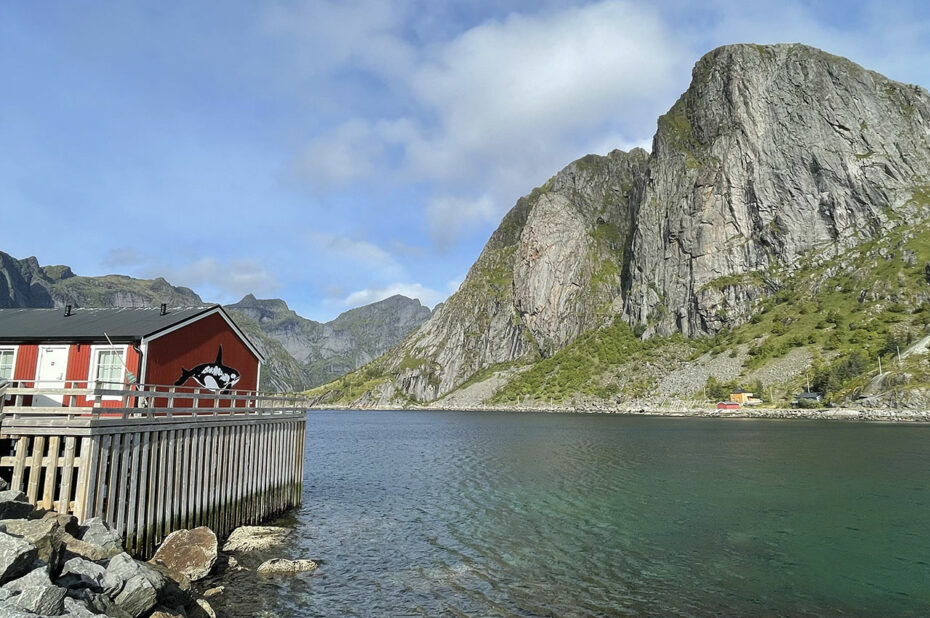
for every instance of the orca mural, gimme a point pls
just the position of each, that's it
(215, 376)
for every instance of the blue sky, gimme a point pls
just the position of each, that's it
(335, 153)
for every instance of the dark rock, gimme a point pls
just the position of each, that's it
(16, 557)
(78, 573)
(175, 590)
(138, 596)
(102, 604)
(97, 532)
(14, 505)
(191, 552)
(45, 600)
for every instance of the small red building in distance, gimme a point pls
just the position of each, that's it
(189, 347)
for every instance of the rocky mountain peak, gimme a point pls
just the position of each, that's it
(774, 158)
(774, 155)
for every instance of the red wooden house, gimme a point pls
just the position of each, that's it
(191, 347)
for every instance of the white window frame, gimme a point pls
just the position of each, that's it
(7, 348)
(95, 351)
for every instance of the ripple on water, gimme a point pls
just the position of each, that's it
(490, 514)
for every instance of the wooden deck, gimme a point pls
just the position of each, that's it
(153, 459)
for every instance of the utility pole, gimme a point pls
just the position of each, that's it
(808, 376)
(898, 348)
(879, 365)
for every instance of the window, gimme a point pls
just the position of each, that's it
(107, 366)
(7, 362)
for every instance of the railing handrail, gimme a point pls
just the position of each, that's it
(30, 387)
(145, 402)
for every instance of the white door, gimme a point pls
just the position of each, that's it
(53, 360)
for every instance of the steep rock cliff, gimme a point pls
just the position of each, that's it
(552, 270)
(775, 158)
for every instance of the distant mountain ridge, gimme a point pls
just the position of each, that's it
(24, 283)
(329, 350)
(299, 353)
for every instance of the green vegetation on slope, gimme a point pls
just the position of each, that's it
(579, 368)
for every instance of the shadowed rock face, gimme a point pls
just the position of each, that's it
(24, 283)
(775, 156)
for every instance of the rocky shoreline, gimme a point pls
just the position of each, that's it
(51, 566)
(819, 414)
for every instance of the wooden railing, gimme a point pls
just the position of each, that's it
(154, 459)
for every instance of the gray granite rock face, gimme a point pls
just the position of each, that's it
(36, 578)
(78, 573)
(137, 597)
(16, 557)
(40, 532)
(44, 600)
(96, 532)
(10, 610)
(77, 609)
(775, 156)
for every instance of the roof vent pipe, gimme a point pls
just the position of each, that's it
(67, 310)
(164, 309)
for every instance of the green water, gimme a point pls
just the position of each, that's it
(494, 514)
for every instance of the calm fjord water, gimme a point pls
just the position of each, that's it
(487, 514)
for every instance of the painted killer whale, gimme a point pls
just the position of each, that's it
(215, 376)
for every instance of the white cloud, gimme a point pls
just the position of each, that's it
(328, 35)
(530, 84)
(121, 257)
(362, 252)
(500, 106)
(346, 153)
(606, 143)
(448, 216)
(211, 278)
(425, 295)
(453, 285)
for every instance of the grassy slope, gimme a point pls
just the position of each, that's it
(868, 302)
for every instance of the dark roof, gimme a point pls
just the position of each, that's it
(122, 324)
(808, 395)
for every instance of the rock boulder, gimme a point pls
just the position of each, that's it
(191, 552)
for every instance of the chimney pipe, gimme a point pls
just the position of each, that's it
(67, 310)
(164, 309)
